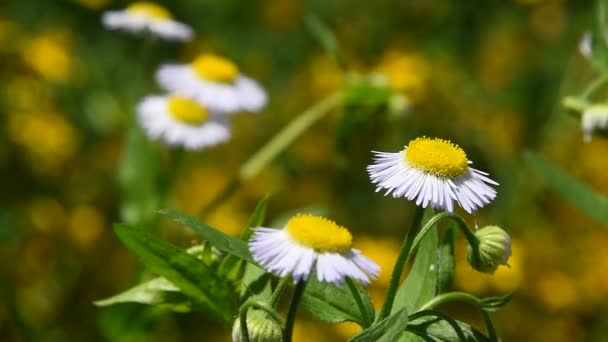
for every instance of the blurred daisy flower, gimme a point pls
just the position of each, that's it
(594, 121)
(215, 82)
(140, 17)
(178, 120)
(308, 242)
(435, 172)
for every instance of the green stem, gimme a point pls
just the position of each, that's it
(353, 289)
(465, 298)
(400, 263)
(441, 315)
(594, 86)
(274, 147)
(278, 291)
(293, 309)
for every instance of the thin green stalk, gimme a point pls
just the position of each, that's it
(274, 147)
(293, 309)
(278, 291)
(400, 263)
(594, 86)
(260, 306)
(469, 235)
(440, 315)
(465, 298)
(353, 289)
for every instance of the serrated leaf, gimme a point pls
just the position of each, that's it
(421, 282)
(334, 304)
(491, 304)
(569, 188)
(193, 277)
(158, 291)
(437, 329)
(220, 240)
(387, 330)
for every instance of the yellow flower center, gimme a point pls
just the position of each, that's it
(215, 68)
(149, 9)
(186, 110)
(437, 156)
(319, 233)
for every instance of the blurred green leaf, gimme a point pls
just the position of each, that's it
(445, 256)
(189, 274)
(256, 219)
(571, 189)
(599, 39)
(334, 304)
(220, 240)
(491, 304)
(326, 38)
(421, 282)
(256, 281)
(437, 329)
(158, 291)
(139, 178)
(387, 330)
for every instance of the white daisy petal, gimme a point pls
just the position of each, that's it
(452, 179)
(142, 17)
(595, 121)
(300, 247)
(157, 120)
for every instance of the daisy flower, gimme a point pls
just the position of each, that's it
(311, 242)
(178, 120)
(432, 171)
(594, 120)
(140, 17)
(215, 82)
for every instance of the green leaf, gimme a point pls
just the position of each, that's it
(138, 178)
(421, 283)
(491, 304)
(571, 189)
(158, 291)
(256, 219)
(193, 277)
(334, 304)
(437, 329)
(445, 256)
(387, 330)
(599, 43)
(220, 240)
(326, 38)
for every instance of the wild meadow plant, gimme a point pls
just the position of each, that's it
(310, 259)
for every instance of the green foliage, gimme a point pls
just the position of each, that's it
(325, 37)
(218, 239)
(437, 329)
(445, 256)
(335, 304)
(491, 304)
(599, 40)
(421, 283)
(571, 189)
(193, 277)
(157, 291)
(386, 330)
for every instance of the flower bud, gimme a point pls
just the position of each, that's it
(260, 326)
(494, 249)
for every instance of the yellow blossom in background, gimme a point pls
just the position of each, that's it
(500, 57)
(556, 290)
(28, 93)
(346, 330)
(196, 186)
(229, 219)
(49, 55)
(48, 137)
(85, 225)
(306, 331)
(407, 72)
(326, 75)
(47, 215)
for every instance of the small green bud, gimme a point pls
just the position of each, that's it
(494, 249)
(260, 326)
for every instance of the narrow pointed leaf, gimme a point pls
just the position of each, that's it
(569, 188)
(421, 282)
(492, 304)
(436, 329)
(193, 277)
(218, 239)
(158, 291)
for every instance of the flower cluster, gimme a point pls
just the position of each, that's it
(200, 94)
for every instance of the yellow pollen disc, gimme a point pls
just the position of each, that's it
(437, 156)
(215, 68)
(319, 233)
(149, 9)
(186, 110)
